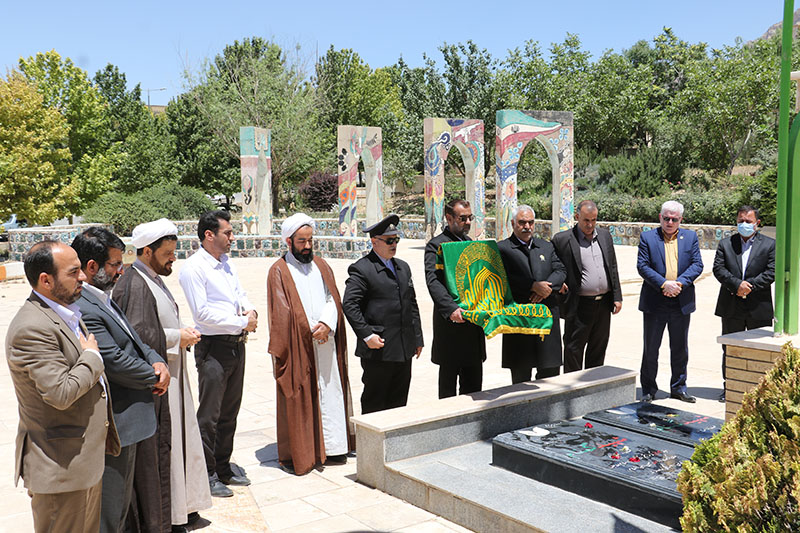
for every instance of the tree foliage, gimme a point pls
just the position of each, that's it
(34, 157)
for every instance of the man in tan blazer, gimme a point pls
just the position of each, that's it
(65, 421)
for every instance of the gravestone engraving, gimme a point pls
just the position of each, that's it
(619, 467)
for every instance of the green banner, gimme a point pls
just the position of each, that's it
(476, 278)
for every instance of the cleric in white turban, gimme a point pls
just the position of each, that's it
(149, 232)
(294, 223)
(306, 331)
(151, 309)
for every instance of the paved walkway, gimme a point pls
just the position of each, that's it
(331, 500)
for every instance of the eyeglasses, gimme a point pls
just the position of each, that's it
(671, 219)
(390, 241)
(466, 218)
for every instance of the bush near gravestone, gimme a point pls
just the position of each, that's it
(126, 211)
(320, 191)
(747, 477)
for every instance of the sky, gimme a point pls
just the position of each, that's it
(154, 43)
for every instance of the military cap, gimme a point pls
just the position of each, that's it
(387, 226)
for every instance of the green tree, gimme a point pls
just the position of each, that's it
(67, 88)
(125, 110)
(34, 159)
(257, 83)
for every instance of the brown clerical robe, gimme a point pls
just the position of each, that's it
(300, 437)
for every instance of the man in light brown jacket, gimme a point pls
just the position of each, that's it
(65, 421)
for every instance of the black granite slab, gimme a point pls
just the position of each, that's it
(660, 421)
(621, 468)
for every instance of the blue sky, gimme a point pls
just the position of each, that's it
(153, 42)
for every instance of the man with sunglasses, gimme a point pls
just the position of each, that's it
(459, 346)
(381, 305)
(669, 262)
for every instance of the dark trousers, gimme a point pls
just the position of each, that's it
(386, 384)
(117, 489)
(468, 378)
(587, 329)
(521, 374)
(151, 510)
(677, 324)
(732, 325)
(220, 378)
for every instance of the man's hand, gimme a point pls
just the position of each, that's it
(671, 288)
(456, 317)
(617, 308)
(744, 289)
(419, 351)
(189, 337)
(252, 321)
(375, 342)
(542, 289)
(162, 372)
(320, 332)
(564, 289)
(89, 343)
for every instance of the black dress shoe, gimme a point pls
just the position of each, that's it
(192, 518)
(647, 398)
(239, 481)
(682, 396)
(336, 459)
(218, 489)
(180, 529)
(287, 467)
(721, 397)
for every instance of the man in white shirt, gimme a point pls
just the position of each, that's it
(223, 315)
(309, 347)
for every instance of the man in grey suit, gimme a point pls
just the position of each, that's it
(65, 420)
(135, 371)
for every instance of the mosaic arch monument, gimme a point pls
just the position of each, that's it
(554, 131)
(354, 143)
(440, 135)
(256, 164)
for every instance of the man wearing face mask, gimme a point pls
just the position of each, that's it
(745, 267)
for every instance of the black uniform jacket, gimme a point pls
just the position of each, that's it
(453, 344)
(377, 301)
(568, 250)
(523, 267)
(760, 273)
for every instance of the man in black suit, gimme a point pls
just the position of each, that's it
(534, 271)
(592, 289)
(459, 347)
(745, 267)
(135, 373)
(381, 306)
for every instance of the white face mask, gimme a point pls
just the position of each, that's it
(746, 229)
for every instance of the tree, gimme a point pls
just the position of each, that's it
(125, 110)
(256, 83)
(34, 159)
(67, 88)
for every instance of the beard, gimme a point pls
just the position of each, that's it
(163, 270)
(103, 281)
(63, 295)
(303, 257)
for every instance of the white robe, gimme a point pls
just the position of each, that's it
(189, 489)
(319, 306)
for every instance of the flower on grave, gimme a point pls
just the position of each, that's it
(615, 455)
(588, 425)
(634, 459)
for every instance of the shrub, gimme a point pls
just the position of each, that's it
(126, 211)
(649, 172)
(320, 191)
(761, 191)
(747, 477)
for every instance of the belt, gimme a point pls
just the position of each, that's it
(242, 337)
(598, 297)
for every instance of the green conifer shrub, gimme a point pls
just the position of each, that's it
(747, 477)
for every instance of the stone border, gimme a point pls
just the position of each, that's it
(399, 434)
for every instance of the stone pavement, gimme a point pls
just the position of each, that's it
(330, 499)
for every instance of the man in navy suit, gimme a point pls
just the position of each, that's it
(745, 267)
(669, 262)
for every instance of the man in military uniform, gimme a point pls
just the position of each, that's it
(381, 305)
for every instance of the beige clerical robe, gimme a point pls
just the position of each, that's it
(299, 424)
(189, 479)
